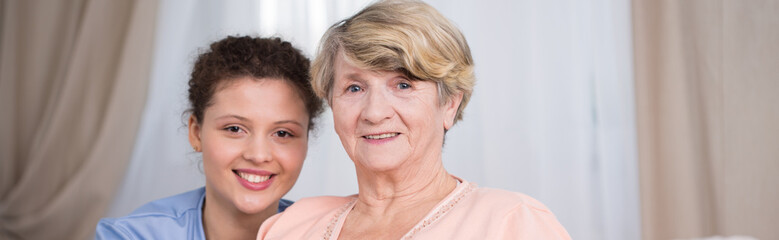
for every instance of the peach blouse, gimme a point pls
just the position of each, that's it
(469, 212)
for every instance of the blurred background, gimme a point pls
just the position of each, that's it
(628, 119)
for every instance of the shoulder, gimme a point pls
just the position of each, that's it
(329, 201)
(506, 200)
(307, 209)
(307, 217)
(154, 219)
(515, 215)
(173, 206)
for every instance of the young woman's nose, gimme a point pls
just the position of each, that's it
(258, 150)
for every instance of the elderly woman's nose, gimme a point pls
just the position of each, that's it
(257, 150)
(377, 107)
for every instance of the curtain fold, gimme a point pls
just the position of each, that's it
(706, 93)
(74, 77)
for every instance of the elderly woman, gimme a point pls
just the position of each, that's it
(397, 76)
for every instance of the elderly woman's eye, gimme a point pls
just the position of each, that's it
(404, 85)
(353, 88)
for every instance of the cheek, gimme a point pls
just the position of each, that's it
(339, 125)
(344, 118)
(219, 152)
(291, 156)
(345, 128)
(422, 118)
(417, 112)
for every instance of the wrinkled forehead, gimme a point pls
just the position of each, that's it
(345, 60)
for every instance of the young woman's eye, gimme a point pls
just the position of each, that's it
(283, 134)
(353, 88)
(233, 129)
(404, 85)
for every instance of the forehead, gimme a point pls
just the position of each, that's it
(258, 98)
(346, 68)
(344, 64)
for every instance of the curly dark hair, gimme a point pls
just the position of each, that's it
(242, 56)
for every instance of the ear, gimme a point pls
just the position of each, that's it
(450, 109)
(194, 133)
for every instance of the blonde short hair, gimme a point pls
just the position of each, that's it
(405, 36)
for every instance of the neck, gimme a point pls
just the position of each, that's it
(383, 193)
(222, 220)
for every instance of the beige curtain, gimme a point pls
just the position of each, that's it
(73, 78)
(707, 89)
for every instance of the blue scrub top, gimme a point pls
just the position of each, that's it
(176, 217)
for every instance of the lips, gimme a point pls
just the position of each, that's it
(381, 136)
(254, 180)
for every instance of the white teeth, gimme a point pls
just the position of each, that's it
(381, 136)
(252, 178)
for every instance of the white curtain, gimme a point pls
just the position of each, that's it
(552, 114)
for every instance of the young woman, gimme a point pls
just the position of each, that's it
(252, 107)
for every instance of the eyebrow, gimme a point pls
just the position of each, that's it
(358, 77)
(289, 121)
(354, 76)
(233, 116)
(247, 120)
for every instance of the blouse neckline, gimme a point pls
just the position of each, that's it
(462, 189)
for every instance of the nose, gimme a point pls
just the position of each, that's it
(258, 150)
(377, 107)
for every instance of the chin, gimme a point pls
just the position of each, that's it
(254, 207)
(381, 164)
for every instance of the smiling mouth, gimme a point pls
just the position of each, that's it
(381, 136)
(253, 178)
